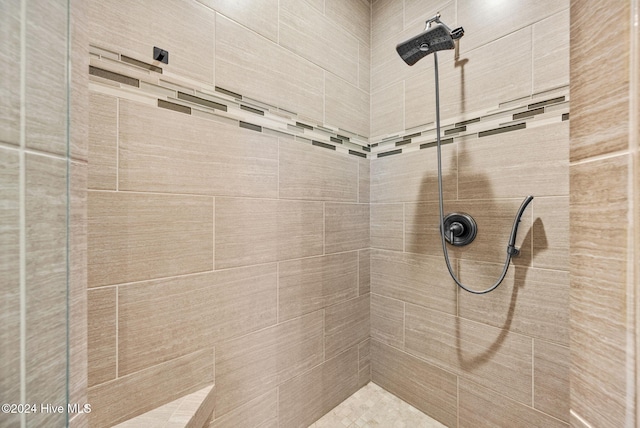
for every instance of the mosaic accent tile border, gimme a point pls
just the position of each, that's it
(116, 74)
(523, 113)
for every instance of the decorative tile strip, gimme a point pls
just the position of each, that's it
(137, 80)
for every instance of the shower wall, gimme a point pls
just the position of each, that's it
(228, 207)
(500, 359)
(605, 197)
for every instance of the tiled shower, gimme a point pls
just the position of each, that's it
(260, 213)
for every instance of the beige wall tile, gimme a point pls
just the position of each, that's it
(551, 233)
(493, 357)
(346, 227)
(308, 33)
(551, 365)
(10, 75)
(251, 365)
(186, 30)
(259, 412)
(135, 236)
(346, 106)
(414, 177)
(116, 401)
(317, 173)
(599, 95)
(386, 20)
(102, 335)
(364, 271)
(77, 278)
(364, 70)
(103, 142)
(220, 304)
(387, 226)
(416, 12)
(304, 399)
(285, 79)
(387, 110)
(251, 231)
(46, 284)
(259, 15)
(515, 164)
(494, 219)
(307, 285)
(45, 96)
(507, 18)
(598, 230)
(10, 284)
(424, 386)
(387, 320)
(352, 15)
(346, 324)
(364, 362)
(364, 180)
(164, 151)
(551, 51)
(413, 278)
(482, 407)
(474, 81)
(79, 78)
(534, 302)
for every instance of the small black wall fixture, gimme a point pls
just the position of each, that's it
(160, 55)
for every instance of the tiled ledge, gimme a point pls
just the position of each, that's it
(191, 411)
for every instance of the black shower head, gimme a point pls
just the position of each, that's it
(435, 37)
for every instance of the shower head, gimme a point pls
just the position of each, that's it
(436, 37)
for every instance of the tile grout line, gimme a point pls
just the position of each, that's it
(22, 196)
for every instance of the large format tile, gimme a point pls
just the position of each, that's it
(387, 110)
(134, 236)
(346, 227)
(414, 177)
(316, 173)
(515, 164)
(46, 204)
(306, 398)
(428, 388)
(118, 400)
(186, 30)
(551, 366)
(306, 285)
(251, 365)
(530, 301)
(352, 15)
(10, 284)
(308, 33)
(364, 181)
(482, 407)
(45, 96)
(253, 66)
(364, 271)
(103, 142)
(346, 106)
(387, 320)
(387, 226)
(496, 358)
(551, 52)
(599, 298)
(219, 305)
(364, 362)
(259, 412)
(164, 151)
(345, 325)
(413, 278)
(10, 74)
(259, 15)
(102, 329)
(252, 231)
(505, 18)
(551, 233)
(599, 95)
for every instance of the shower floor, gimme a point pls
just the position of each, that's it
(372, 406)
